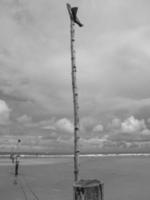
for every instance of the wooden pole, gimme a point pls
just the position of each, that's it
(18, 147)
(75, 96)
(76, 105)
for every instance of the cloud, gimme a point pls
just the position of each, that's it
(98, 128)
(64, 125)
(4, 113)
(24, 119)
(130, 135)
(132, 125)
(93, 144)
(116, 123)
(113, 73)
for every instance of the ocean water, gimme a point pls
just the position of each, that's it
(125, 177)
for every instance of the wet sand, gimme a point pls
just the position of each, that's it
(125, 178)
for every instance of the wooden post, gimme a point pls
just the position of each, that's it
(83, 189)
(89, 190)
(17, 157)
(75, 95)
(18, 147)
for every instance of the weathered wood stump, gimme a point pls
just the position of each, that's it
(88, 190)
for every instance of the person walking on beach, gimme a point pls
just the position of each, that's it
(12, 157)
(16, 165)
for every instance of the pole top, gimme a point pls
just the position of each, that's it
(87, 183)
(69, 10)
(73, 14)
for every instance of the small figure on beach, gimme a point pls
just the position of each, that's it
(16, 165)
(12, 157)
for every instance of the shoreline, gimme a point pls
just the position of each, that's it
(81, 155)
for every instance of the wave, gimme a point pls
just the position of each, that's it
(92, 155)
(81, 155)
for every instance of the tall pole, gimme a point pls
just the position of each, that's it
(18, 147)
(73, 20)
(75, 103)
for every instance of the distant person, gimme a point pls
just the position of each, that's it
(12, 157)
(16, 166)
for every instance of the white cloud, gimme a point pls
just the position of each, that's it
(4, 112)
(64, 125)
(24, 119)
(132, 125)
(98, 128)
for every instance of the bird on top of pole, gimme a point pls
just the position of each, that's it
(73, 14)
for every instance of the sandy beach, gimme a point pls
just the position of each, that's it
(125, 178)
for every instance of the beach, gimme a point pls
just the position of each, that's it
(125, 178)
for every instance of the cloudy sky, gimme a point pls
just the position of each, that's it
(113, 69)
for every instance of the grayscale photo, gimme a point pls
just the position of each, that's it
(74, 99)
